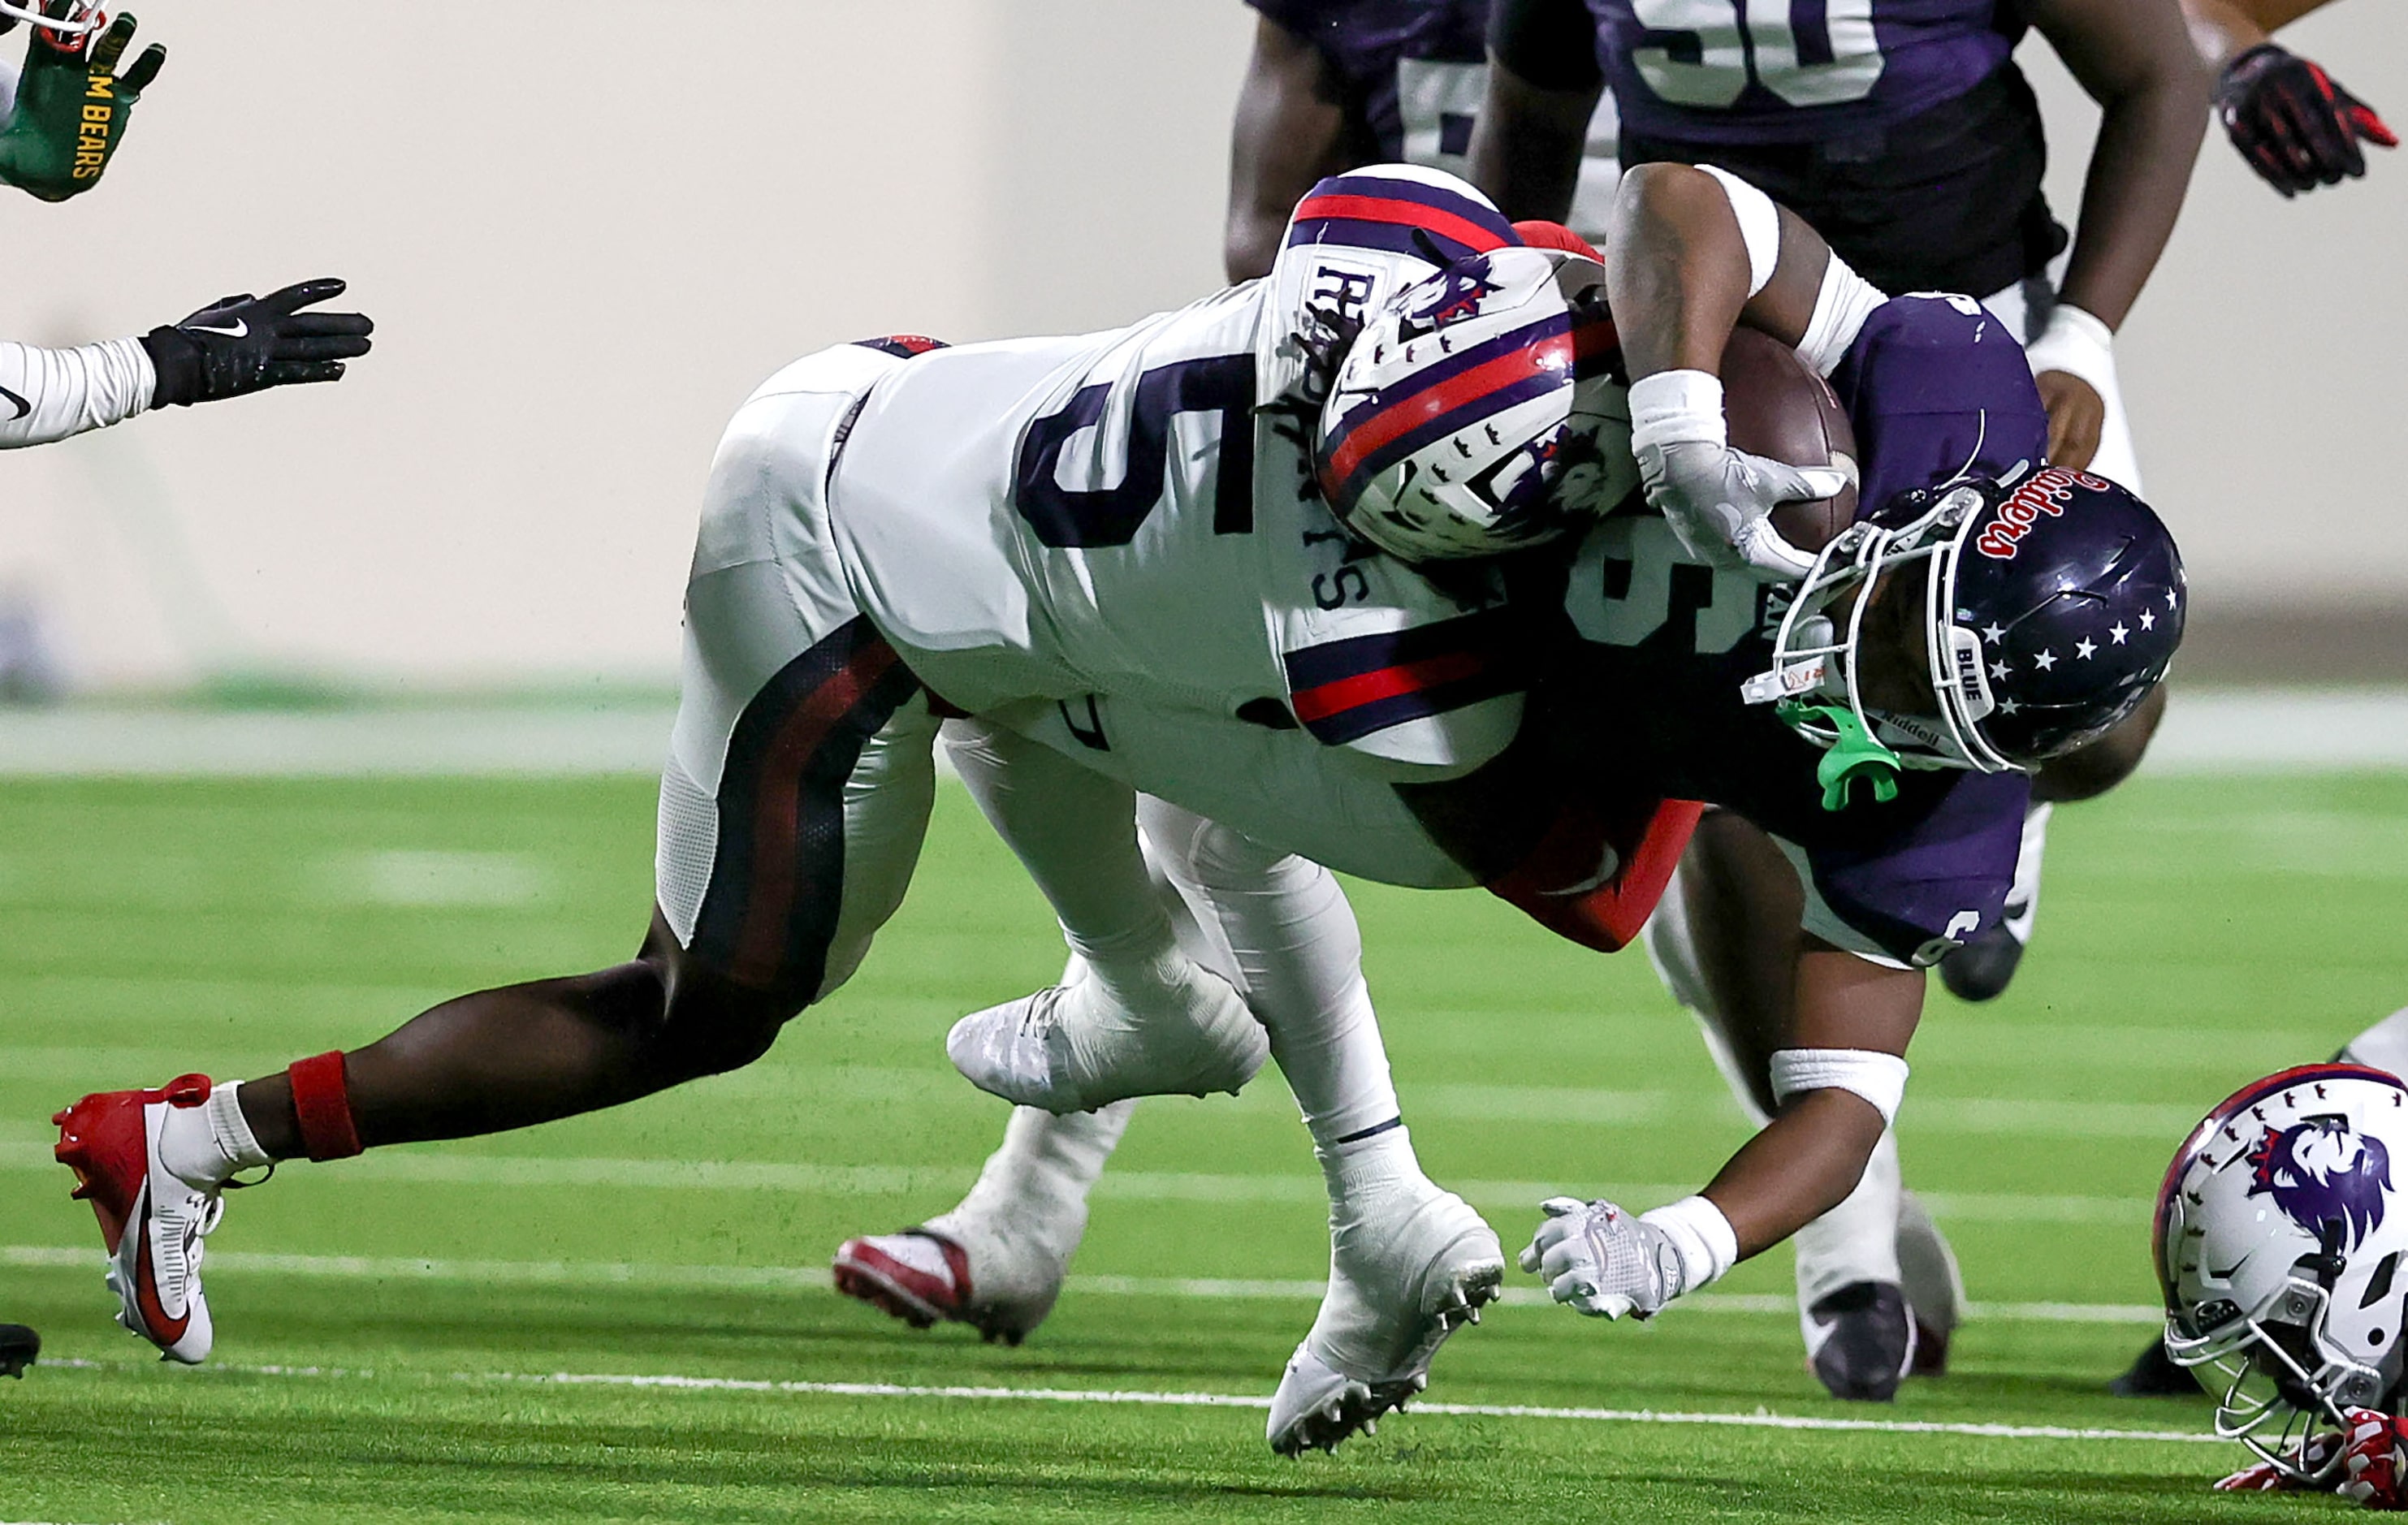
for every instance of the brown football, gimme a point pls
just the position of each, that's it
(1781, 409)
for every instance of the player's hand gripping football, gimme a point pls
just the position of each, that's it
(72, 105)
(1601, 1260)
(2294, 123)
(243, 344)
(1719, 501)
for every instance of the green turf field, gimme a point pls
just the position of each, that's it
(396, 1334)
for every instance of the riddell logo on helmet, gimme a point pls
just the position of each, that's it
(2047, 492)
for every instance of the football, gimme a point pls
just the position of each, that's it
(1781, 409)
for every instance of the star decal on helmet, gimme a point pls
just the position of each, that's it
(2085, 648)
(2148, 619)
(2045, 661)
(2119, 629)
(1992, 633)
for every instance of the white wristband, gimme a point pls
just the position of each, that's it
(1880, 1079)
(1759, 225)
(2078, 344)
(1701, 1237)
(1677, 408)
(1842, 304)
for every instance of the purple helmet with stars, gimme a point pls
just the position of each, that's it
(2053, 606)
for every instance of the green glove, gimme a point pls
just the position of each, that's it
(72, 108)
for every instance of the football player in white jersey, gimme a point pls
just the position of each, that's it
(1094, 532)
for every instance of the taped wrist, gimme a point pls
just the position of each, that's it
(1701, 1237)
(1841, 305)
(1880, 1079)
(1759, 225)
(322, 1103)
(2078, 344)
(1677, 408)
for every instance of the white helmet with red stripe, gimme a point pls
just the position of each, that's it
(2281, 1245)
(1479, 410)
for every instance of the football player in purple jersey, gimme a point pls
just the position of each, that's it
(2293, 122)
(1903, 131)
(1337, 83)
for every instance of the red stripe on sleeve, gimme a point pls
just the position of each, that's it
(1341, 695)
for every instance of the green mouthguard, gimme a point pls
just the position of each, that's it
(1854, 755)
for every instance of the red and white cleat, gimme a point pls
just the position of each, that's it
(151, 1219)
(924, 1278)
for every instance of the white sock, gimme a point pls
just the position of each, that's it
(1363, 1169)
(205, 1146)
(1857, 1240)
(1033, 1187)
(2383, 1046)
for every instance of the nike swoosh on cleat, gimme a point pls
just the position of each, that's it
(240, 329)
(23, 408)
(161, 1330)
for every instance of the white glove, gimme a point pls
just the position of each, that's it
(1718, 501)
(1603, 1261)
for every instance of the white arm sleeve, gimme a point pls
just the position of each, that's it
(49, 395)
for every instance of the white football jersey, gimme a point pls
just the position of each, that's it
(1131, 513)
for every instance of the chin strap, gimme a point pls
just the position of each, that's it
(1853, 756)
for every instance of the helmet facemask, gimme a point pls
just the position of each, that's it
(2284, 1377)
(1817, 674)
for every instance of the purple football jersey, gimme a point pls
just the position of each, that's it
(1725, 71)
(1646, 691)
(1366, 40)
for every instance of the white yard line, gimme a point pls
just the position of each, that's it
(812, 1278)
(670, 1382)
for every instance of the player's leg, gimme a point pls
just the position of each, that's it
(1409, 1261)
(797, 791)
(1723, 938)
(1145, 1018)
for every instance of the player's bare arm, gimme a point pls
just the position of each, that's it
(2290, 121)
(1290, 131)
(1543, 86)
(2133, 59)
(1691, 253)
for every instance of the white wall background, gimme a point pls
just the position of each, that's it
(585, 233)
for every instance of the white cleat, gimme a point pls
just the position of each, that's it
(952, 1270)
(1073, 1047)
(150, 1220)
(1406, 1271)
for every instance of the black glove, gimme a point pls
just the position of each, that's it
(2297, 127)
(246, 342)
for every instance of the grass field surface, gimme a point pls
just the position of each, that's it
(625, 1316)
